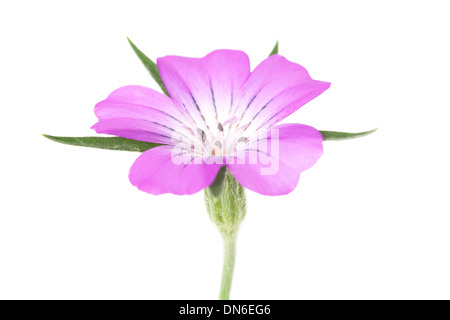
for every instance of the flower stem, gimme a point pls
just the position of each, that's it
(226, 204)
(228, 266)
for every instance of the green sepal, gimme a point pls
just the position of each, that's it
(216, 187)
(335, 135)
(228, 209)
(274, 50)
(109, 143)
(151, 67)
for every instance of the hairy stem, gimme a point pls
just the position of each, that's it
(226, 205)
(228, 267)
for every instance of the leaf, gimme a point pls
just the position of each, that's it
(335, 135)
(151, 67)
(275, 50)
(110, 143)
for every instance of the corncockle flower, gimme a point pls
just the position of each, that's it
(215, 128)
(216, 114)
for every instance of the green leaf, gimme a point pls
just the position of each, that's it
(275, 50)
(151, 67)
(335, 135)
(110, 143)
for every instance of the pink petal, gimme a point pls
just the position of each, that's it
(155, 172)
(299, 147)
(275, 89)
(138, 113)
(205, 87)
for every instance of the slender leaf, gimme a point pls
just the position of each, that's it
(110, 143)
(151, 67)
(275, 50)
(335, 135)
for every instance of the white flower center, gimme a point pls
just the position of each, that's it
(222, 139)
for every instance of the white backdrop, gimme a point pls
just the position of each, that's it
(369, 221)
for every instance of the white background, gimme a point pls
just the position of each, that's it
(369, 221)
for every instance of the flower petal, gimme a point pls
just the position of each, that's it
(205, 87)
(138, 113)
(275, 89)
(156, 171)
(291, 149)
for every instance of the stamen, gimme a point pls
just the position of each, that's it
(190, 130)
(202, 134)
(229, 121)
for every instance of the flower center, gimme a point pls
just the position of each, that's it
(225, 138)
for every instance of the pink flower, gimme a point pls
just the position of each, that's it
(218, 113)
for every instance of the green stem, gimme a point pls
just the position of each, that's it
(226, 205)
(228, 266)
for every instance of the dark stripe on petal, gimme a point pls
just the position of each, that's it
(198, 108)
(258, 114)
(248, 105)
(213, 99)
(267, 121)
(196, 104)
(231, 103)
(185, 108)
(262, 109)
(257, 150)
(163, 125)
